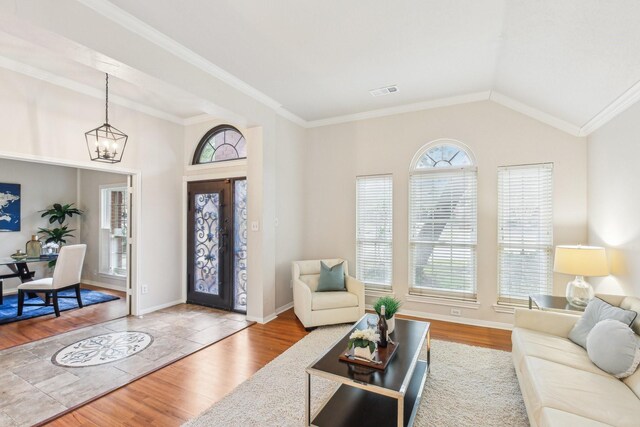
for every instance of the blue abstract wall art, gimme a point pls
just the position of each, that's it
(9, 207)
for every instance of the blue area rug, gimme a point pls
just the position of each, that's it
(9, 310)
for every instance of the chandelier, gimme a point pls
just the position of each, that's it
(106, 143)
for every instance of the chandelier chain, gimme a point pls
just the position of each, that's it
(106, 103)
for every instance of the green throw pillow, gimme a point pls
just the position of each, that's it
(331, 279)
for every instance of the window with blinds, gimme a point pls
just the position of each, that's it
(442, 224)
(525, 231)
(374, 230)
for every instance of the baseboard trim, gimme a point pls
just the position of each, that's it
(9, 291)
(122, 288)
(454, 319)
(262, 320)
(284, 308)
(160, 307)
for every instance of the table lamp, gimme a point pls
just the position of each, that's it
(580, 261)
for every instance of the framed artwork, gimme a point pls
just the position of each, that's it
(9, 207)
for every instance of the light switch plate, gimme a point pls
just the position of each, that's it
(255, 226)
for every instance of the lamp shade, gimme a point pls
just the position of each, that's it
(581, 261)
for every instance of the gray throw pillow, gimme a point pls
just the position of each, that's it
(596, 311)
(613, 347)
(331, 279)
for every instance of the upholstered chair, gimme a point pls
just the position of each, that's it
(65, 276)
(324, 308)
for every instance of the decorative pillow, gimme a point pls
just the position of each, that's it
(596, 311)
(331, 279)
(613, 347)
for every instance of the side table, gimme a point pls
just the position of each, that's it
(552, 303)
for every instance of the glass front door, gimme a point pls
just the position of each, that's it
(217, 251)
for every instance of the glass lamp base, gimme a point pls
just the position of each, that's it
(579, 292)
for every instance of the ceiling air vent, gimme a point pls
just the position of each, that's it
(384, 90)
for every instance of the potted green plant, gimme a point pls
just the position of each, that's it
(391, 307)
(363, 342)
(56, 235)
(58, 213)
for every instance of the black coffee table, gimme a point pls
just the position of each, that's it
(371, 397)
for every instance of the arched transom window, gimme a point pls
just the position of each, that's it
(443, 156)
(220, 144)
(442, 221)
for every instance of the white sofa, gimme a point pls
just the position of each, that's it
(324, 308)
(559, 383)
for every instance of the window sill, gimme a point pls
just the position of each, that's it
(113, 276)
(507, 307)
(378, 292)
(450, 302)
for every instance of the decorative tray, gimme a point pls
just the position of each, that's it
(381, 357)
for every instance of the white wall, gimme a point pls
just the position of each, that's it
(41, 186)
(496, 135)
(45, 121)
(614, 201)
(291, 200)
(89, 183)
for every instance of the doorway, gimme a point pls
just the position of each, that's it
(217, 244)
(107, 289)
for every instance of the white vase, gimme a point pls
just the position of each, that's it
(363, 352)
(391, 324)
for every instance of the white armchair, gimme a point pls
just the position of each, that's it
(324, 308)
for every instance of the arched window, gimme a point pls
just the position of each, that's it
(220, 144)
(442, 221)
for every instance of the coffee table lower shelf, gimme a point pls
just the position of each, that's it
(353, 406)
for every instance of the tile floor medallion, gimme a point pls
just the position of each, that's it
(34, 389)
(102, 349)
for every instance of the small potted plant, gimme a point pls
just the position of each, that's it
(363, 342)
(391, 307)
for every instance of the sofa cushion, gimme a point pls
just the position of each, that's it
(633, 382)
(527, 342)
(550, 417)
(331, 278)
(596, 311)
(613, 347)
(330, 300)
(633, 304)
(597, 397)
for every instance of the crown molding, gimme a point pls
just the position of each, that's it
(534, 113)
(407, 108)
(282, 112)
(144, 30)
(37, 73)
(620, 104)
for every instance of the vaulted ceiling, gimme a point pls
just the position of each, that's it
(571, 63)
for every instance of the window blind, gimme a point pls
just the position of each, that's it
(525, 231)
(374, 230)
(442, 224)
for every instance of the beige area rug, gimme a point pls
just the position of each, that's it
(467, 386)
(46, 378)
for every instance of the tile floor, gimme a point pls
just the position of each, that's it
(32, 389)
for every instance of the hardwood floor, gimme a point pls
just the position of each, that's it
(498, 339)
(25, 331)
(181, 391)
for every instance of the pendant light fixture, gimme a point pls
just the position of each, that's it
(106, 143)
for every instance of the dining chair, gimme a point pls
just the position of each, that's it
(66, 275)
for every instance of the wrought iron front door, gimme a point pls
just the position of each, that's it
(216, 242)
